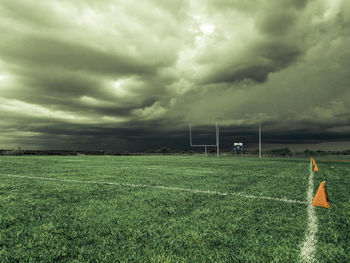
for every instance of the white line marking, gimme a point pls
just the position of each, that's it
(160, 187)
(308, 248)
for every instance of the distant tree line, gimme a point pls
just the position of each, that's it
(54, 152)
(168, 151)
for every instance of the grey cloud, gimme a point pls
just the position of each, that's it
(37, 51)
(278, 41)
(276, 23)
(25, 13)
(256, 63)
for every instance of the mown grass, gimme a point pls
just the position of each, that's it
(333, 237)
(52, 221)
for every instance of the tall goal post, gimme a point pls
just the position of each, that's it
(259, 140)
(217, 138)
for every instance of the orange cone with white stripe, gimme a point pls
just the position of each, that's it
(315, 168)
(321, 197)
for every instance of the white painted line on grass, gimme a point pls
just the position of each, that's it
(308, 248)
(160, 187)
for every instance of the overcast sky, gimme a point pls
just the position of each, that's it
(130, 75)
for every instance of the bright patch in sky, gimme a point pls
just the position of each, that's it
(116, 85)
(119, 88)
(332, 8)
(89, 100)
(207, 29)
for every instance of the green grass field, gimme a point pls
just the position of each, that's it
(106, 209)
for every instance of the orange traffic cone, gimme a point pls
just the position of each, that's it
(315, 168)
(313, 161)
(321, 197)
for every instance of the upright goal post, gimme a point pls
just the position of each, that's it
(259, 140)
(208, 145)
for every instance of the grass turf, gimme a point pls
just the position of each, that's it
(333, 237)
(44, 221)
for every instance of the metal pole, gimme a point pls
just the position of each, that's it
(259, 140)
(190, 135)
(217, 140)
(205, 150)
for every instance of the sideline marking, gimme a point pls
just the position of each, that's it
(308, 248)
(285, 200)
(338, 161)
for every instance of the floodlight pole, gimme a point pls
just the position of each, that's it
(190, 135)
(259, 140)
(217, 140)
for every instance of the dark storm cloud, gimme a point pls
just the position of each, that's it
(76, 72)
(265, 59)
(41, 52)
(132, 75)
(72, 91)
(276, 42)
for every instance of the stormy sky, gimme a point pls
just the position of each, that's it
(131, 75)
